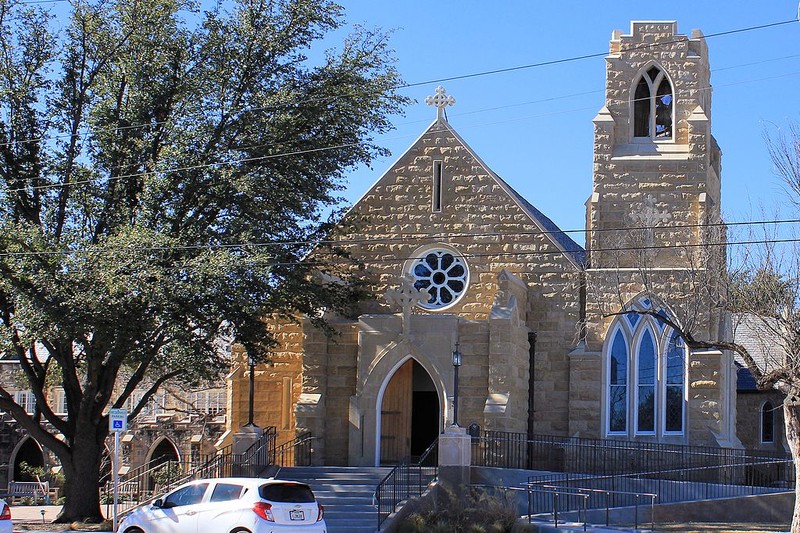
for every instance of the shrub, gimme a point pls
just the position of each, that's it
(481, 512)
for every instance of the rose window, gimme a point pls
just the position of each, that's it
(443, 274)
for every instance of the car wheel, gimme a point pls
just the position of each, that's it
(133, 530)
(240, 530)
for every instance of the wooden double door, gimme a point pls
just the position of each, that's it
(410, 414)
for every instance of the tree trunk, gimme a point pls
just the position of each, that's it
(791, 413)
(82, 481)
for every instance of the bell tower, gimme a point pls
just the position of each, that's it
(656, 180)
(655, 244)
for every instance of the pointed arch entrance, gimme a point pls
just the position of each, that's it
(29, 452)
(162, 452)
(409, 413)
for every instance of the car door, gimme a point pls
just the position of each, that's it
(178, 511)
(223, 507)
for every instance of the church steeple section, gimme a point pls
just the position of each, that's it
(653, 151)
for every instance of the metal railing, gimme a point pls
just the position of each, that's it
(406, 480)
(607, 456)
(561, 497)
(296, 452)
(138, 486)
(677, 485)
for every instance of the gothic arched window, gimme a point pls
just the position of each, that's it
(644, 352)
(652, 105)
(767, 423)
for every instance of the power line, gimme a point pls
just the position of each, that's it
(594, 55)
(334, 98)
(245, 262)
(427, 237)
(312, 150)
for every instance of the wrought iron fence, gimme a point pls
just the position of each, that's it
(678, 485)
(579, 474)
(606, 456)
(406, 480)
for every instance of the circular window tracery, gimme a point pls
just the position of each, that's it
(444, 275)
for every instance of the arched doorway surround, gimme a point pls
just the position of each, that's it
(162, 451)
(409, 413)
(381, 352)
(28, 451)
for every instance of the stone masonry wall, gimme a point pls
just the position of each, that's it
(268, 406)
(678, 179)
(481, 221)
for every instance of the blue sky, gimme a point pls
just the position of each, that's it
(534, 126)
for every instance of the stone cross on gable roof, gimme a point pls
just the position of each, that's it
(407, 296)
(440, 101)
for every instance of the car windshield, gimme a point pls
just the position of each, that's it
(286, 493)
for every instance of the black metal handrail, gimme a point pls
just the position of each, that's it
(406, 480)
(597, 456)
(296, 452)
(222, 463)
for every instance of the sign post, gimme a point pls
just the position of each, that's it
(117, 423)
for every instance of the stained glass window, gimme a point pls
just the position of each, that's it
(652, 357)
(443, 274)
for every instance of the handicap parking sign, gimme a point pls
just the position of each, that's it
(117, 420)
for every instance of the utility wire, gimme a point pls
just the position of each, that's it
(446, 237)
(595, 55)
(301, 152)
(470, 255)
(336, 147)
(334, 98)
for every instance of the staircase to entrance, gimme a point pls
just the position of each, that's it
(346, 492)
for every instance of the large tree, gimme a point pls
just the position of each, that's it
(162, 171)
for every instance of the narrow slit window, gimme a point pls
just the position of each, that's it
(437, 186)
(767, 423)
(286, 412)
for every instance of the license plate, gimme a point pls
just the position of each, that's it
(297, 515)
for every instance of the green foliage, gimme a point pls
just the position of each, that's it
(481, 512)
(763, 291)
(167, 473)
(163, 174)
(40, 473)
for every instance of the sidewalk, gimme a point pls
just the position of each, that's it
(29, 518)
(22, 514)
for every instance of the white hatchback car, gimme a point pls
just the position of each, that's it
(5, 518)
(230, 505)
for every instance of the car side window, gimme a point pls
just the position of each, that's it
(224, 492)
(186, 496)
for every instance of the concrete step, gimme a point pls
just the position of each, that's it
(346, 492)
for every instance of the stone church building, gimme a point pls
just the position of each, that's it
(552, 338)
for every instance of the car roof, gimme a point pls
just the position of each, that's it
(250, 481)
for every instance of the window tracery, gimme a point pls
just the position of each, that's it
(653, 105)
(645, 374)
(443, 273)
